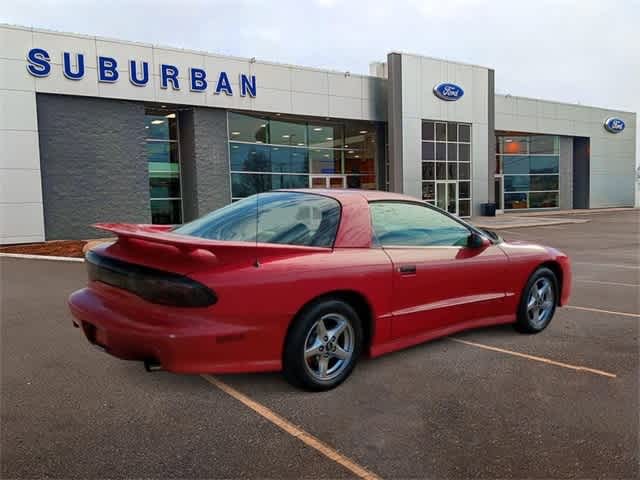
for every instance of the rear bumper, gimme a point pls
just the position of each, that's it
(191, 346)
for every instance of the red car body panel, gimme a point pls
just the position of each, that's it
(261, 287)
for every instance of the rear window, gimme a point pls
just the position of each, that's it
(289, 218)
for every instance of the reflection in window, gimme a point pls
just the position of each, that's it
(530, 165)
(163, 160)
(408, 224)
(294, 148)
(280, 217)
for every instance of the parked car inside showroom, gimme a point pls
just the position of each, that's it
(306, 282)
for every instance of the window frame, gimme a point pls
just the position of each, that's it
(375, 243)
(161, 112)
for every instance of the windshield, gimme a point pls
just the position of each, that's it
(290, 218)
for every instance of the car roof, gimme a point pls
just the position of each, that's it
(344, 194)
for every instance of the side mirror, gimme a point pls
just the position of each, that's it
(477, 241)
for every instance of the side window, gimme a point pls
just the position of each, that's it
(409, 224)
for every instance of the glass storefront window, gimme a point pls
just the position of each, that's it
(287, 133)
(325, 136)
(464, 133)
(428, 131)
(428, 151)
(247, 128)
(544, 164)
(464, 152)
(261, 146)
(166, 212)
(543, 199)
(446, 159)
(161, 126)
(245, 184)
(325, 161)
(515, 201)
(163, 160)
(530, 165)
(541, 144)
(513, 145)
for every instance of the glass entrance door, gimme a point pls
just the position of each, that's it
(498, 185)
(447, 196)
(327, 181)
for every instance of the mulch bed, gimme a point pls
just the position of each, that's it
(57, 248)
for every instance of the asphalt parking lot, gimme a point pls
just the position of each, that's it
(562, 404)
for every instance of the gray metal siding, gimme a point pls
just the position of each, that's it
(93, 163)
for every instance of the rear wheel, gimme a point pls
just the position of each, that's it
(538, 302)
(323, 346)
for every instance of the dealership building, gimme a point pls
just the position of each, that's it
(97, 130)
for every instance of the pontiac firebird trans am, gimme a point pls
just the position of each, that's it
(307, 281)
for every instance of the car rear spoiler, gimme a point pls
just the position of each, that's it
(160, 234)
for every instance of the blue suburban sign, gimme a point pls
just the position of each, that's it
(614, 125)
(448, 91)
(108, 71)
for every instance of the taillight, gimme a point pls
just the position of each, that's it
(156, 286)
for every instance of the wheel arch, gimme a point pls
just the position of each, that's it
(557, 271)
(357, 300)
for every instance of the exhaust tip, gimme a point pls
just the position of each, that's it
(152, 366)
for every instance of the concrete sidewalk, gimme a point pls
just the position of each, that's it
(541, 219)
(515, 221)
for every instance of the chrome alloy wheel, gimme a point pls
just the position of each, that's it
(329, 346)
(540, 302)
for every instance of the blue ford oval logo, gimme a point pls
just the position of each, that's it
(614, 125)
(448, 91)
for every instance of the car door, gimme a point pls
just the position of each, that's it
(438, 280)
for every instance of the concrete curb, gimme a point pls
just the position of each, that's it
(41, 257)
(530, 224)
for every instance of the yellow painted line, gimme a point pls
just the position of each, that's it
(534, 358)
(294, 431)
(597, 310)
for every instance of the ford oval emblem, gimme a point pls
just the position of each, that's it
(448, 91)
(614, 125)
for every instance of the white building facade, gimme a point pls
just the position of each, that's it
(105, 130)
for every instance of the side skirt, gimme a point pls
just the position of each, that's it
(404, 342)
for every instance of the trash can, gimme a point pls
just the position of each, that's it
(488, 209)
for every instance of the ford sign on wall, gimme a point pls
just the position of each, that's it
(448, 91)
(614, 125)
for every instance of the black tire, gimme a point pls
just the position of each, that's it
(303, 335)
(527, 320)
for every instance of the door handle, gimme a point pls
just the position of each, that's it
(407, 269)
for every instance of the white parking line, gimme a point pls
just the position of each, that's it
(597, 310)
(294, 431)
(534, 358)
(614, 265)
(619, 284)
(41, 257)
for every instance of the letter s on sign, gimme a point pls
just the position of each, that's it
(39, 65)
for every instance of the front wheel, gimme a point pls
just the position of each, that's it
(323, 346)
(538, 302)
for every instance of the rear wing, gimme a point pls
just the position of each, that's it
(160, 234)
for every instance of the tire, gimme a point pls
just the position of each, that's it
(538, 302)
(313, 358)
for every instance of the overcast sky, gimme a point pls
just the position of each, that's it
(584, 51)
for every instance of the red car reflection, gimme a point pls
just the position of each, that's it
(307, 281)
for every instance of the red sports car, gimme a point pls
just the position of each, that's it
(307, 281)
